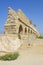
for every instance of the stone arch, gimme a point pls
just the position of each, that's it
(25, 30)
(20, 28)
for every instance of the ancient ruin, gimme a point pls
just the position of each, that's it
(18, 24)
(18, 31)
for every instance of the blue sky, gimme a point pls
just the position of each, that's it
(33, 9)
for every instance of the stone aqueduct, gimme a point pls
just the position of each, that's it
(17, 23)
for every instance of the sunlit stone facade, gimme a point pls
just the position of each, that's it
(18, 24)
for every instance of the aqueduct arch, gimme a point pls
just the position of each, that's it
(18, 23)
(20, 29)
(25, 30)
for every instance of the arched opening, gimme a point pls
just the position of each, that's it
(20, 29)
(25, 30)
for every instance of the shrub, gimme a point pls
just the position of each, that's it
(9, 56)
(41, 37)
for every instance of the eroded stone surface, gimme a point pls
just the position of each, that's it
(9, 43)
